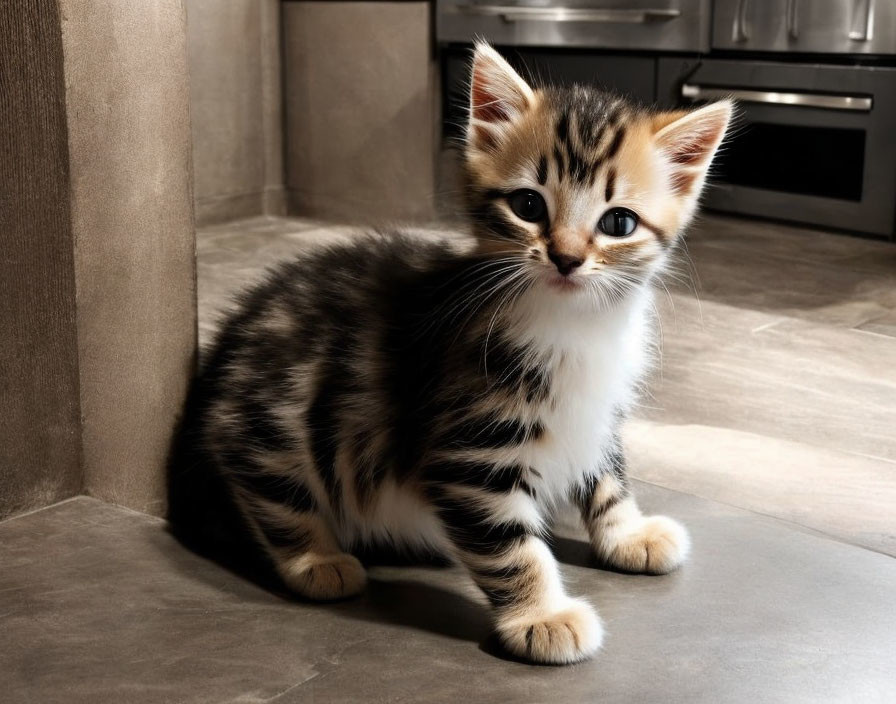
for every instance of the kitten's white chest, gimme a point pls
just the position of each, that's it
(596, 362)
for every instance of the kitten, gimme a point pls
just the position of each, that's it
(403, 392)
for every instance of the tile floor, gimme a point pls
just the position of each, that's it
(769, 432)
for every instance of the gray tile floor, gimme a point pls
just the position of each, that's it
(769, 432)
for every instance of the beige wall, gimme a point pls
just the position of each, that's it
(127, 102)
(359, 91)
(98, 300)
(234, 50)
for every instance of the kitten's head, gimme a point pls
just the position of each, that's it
(592, 190)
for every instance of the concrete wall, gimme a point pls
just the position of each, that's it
(236, 106)
(360, 96)
(129, 143)
(39, 407)
(98, 300)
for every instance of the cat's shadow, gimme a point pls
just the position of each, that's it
(414, 604)
(572, 552)
(579, 553)
(402, 601)
(419, 605)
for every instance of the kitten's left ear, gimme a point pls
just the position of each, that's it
(689, 140)
(498, 95)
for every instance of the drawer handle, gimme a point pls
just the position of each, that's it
(510, 13)
(804, 100)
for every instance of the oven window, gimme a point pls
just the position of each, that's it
(818, 161)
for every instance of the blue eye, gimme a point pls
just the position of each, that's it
(618, 222)
(527, 205)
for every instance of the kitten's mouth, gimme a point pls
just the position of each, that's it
(559, 282)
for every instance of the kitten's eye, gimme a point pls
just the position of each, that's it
(527, 205)
(618, 222)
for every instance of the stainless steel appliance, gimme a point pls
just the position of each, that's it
(814, 143)
(858, 27)
(669, 25)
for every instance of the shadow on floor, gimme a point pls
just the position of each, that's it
(415, 604)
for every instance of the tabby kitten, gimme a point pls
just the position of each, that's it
(410, 393)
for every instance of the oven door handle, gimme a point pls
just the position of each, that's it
(804, 100)
(515, 13)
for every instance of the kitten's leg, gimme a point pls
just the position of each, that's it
(620, 534)
(299, 539)
(495, 535)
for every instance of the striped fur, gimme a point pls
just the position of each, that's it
(418, 395)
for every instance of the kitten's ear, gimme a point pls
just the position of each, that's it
(497, 95)
(689, 140)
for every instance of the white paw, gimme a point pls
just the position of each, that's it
(648, 544)
(567, 635)
(325, 577)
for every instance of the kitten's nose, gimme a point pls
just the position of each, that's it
(565, 263)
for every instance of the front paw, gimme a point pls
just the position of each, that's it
(571, 633)
(648, 544)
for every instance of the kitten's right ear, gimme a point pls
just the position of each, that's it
(498, 95)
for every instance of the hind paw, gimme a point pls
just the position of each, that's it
(325, 577)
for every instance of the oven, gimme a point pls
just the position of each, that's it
(812, 143)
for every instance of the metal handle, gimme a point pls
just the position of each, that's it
(803, 100)
(510, 13)
(740, 32)
(862, 21)
(793, 19)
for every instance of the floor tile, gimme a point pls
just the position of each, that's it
(825, 293)
(850, 496)
(777, 240)
(784, 378)
(99, 604)
(884, 325)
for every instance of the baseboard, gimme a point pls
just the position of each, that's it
(218, 209)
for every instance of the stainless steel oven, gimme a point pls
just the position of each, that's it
(666, 25)
(814, 142)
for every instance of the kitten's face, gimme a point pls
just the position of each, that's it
(591, 190)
